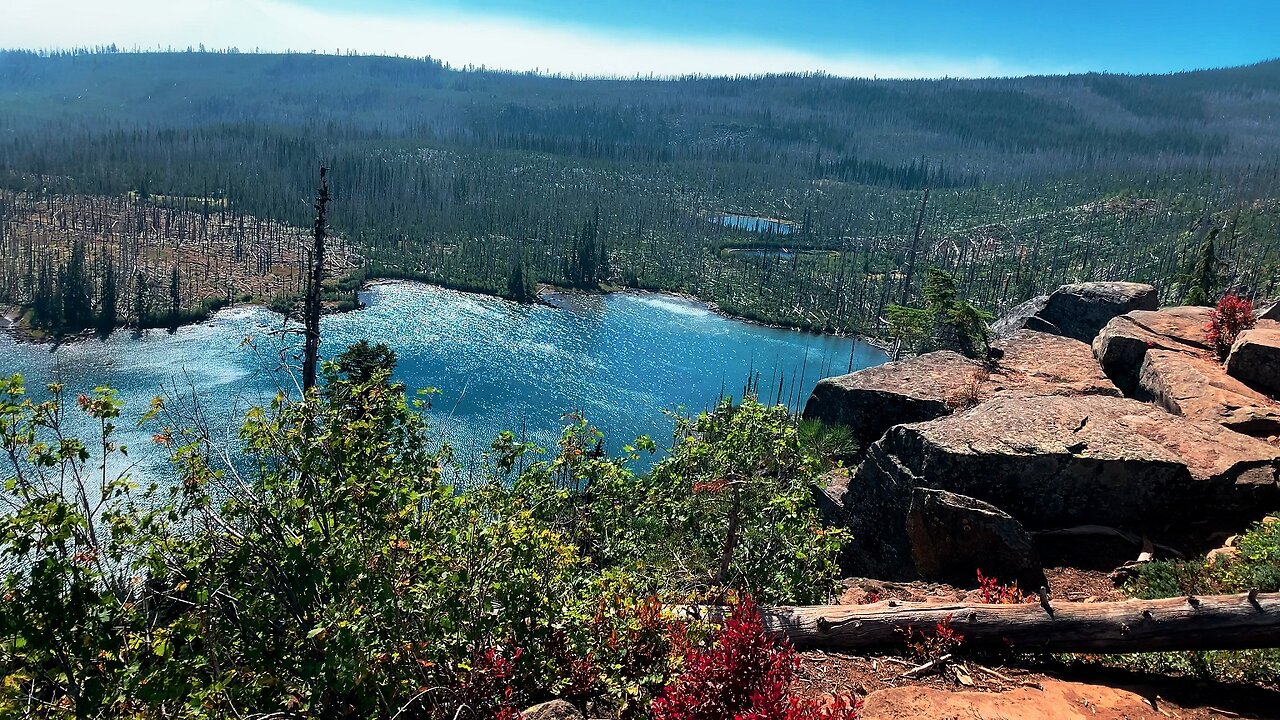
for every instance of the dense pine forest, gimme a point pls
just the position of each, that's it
(491, 181)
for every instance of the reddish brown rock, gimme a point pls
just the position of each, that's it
(1048, 699)
(1183, 324)
(873, 400)
(1059, 461)
(1078, 311)
(1255, 357)
(553, 710)
(932, 385)
(1199, 388)
(1039, 363)
(1121, 346)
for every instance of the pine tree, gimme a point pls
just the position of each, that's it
(73, 287)
(520, 286)
(107, 316)
(175, 298)
(1204, 275)
(140, 298)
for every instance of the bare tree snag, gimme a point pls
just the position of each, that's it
(1218, 622)
(915, 246)
(311, 308)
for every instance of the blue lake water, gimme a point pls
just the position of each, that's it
(755, 223)
(621, 359)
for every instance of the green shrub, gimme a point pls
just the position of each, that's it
(328, 568)
(730, 509)
(1257, 566)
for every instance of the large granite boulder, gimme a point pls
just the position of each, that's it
(1060, 461)
(1025, 316)
(1255, 358)
(1078, 311)
(872, 400)
(1199, 388)
(1122, 345)
(928, 386)
(952, 536)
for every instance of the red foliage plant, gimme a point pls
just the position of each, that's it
(1232, 316)
(994, 593)
(485, 688)
(744, 675)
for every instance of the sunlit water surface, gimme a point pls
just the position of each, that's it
(621, 359)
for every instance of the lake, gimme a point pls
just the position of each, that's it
(622, 359)
(755, 223)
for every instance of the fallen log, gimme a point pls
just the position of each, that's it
(1218, 622)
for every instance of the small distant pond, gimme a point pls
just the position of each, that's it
(622, 359)
(755, 223)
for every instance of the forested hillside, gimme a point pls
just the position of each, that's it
(469, 177)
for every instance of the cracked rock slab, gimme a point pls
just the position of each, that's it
(1060, 461)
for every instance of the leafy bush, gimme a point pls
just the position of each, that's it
(731, 507)
(1257, 565)
(328, 568)
(743, 675)
(1232, 316)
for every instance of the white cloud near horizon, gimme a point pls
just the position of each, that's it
(458, 39)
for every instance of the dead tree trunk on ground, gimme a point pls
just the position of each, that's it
(1218, 622)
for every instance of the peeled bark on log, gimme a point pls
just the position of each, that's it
(1218, 622)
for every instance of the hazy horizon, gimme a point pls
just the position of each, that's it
(928, 39)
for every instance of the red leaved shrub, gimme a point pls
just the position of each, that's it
(744, 675)
(1232, 316)
(992, 592)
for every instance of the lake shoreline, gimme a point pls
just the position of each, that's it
(22, 333)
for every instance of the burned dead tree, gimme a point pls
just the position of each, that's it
(311, 307)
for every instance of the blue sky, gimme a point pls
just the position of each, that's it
(854, 37)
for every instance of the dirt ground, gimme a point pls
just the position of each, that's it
(980, 688)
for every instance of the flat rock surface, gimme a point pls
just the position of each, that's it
(1255, 357)
(1044, 364)
(1199, 388)
(1051, 700)
(932, 385)
(1183, 324)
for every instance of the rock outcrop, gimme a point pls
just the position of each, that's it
(1199, 388)
(1122, 344)
(1255, 358)
(870, 401)
(952, 535)
(932, 385)
(1270, 313)
(1078, 311)
(1058, 461)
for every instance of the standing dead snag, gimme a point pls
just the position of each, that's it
(311, 309)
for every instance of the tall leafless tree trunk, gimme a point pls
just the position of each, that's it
(915, 247)
(311, 310)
